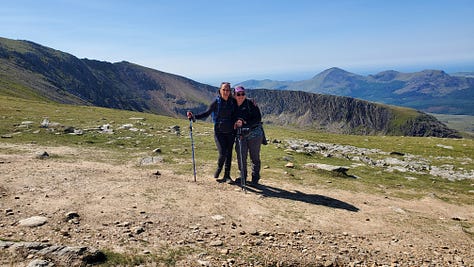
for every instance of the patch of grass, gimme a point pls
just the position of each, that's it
(153, 131)
(462, 123)
(14, 89)
(166, 257)
(401, 116)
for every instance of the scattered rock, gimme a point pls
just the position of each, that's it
(40, 263)
(398, 210)
(443, 146)
(327, 167)
(45, 123)
(42, 155)
(204, 263)
(33, 221)
(176, 129)
(9, 212)
(62, 255)
(407, 163)
(151, 160)
(217, 217)
(396, 153)
(69, 130)
(26, 124)
(106, 128)
(216, 243)
(138, 230)
(72, 217)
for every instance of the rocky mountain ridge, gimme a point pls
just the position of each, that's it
(345, 115)
(63, 78)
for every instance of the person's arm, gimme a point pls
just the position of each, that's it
(255, 116)
(208, 112)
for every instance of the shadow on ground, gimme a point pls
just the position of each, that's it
(269, 191)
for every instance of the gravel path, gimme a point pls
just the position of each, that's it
(130, 209)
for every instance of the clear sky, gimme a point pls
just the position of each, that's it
(221, 40)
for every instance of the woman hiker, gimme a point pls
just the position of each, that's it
(223, 110)
(251, 135)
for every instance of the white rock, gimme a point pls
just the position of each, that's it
(33, 221)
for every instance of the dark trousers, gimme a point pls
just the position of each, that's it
(251, 147)
(224, 143)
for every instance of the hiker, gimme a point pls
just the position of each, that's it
(249, 120)
(223, 110)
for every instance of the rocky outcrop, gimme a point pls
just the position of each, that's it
(45, 254)
(391, 161)
(345, 115)
(427, 125)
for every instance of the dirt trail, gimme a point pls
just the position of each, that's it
(130, 209)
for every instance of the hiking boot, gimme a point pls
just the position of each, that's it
(227, 179)
(254, 184)
(255, 179)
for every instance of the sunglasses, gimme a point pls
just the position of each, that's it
(240, 94)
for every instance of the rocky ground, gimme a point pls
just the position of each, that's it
(83, 206)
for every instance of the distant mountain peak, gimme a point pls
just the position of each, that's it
(427, 90)
(334, 71)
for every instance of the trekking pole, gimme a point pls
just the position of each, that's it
(192, 145)
(242, 178)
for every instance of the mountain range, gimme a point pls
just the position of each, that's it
(432, 91)
(35, 72)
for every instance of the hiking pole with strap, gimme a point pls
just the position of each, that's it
(242, 178)
(192, 144)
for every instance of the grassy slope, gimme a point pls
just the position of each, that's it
(11, 88)
(154, 133)
(462, 123)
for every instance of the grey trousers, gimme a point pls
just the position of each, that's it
(251, 147)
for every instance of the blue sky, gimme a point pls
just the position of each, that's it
(211, 41)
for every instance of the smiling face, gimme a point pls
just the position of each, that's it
(224, 91)
(239, 94)
(240, 97)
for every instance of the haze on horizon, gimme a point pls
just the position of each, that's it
(211, 41)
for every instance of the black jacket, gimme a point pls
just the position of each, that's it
(249, 113)
(223, 114)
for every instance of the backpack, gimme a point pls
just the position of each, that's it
(215, 113)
